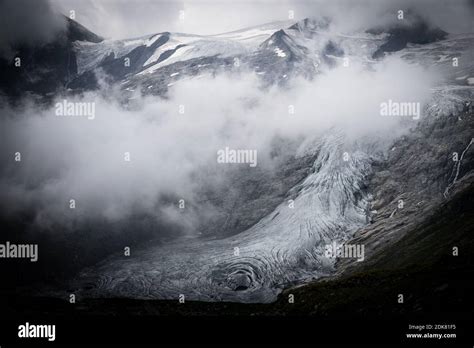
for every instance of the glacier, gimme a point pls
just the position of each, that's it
(286, 247)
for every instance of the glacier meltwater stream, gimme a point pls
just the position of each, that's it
(283, 248)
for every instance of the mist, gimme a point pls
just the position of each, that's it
(173, 155)
(29, 23)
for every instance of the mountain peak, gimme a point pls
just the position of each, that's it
(311, 24)
(283, 45)
(77, 32)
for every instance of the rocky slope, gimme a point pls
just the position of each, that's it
(47, 69)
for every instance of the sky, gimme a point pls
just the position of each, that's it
(132, 18)
(36, 22)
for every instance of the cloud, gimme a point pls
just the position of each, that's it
(453, 17)
(174, 156)
(122, 19)
(27, 22)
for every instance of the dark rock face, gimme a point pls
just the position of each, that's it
(418, 176)
(46, 69)
(309, 25)
(331, 50)
(158, 82)
(399, 36)
(280, 44)
(116, 68)
(279, 58)
(77, 32)
(250, 194)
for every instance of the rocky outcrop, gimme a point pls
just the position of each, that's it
(423, 171)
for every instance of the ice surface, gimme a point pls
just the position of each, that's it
(286, 246)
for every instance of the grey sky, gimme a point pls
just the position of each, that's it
(131, 18)
(35, 22)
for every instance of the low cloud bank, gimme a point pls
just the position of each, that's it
(144, 160)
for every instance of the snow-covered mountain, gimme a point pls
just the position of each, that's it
(275, 51)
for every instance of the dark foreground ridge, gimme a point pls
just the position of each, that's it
(434, 284)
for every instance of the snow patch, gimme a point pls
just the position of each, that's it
(151, 40)
(279, 52)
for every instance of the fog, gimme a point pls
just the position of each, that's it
(27, 22)
(173, 155)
